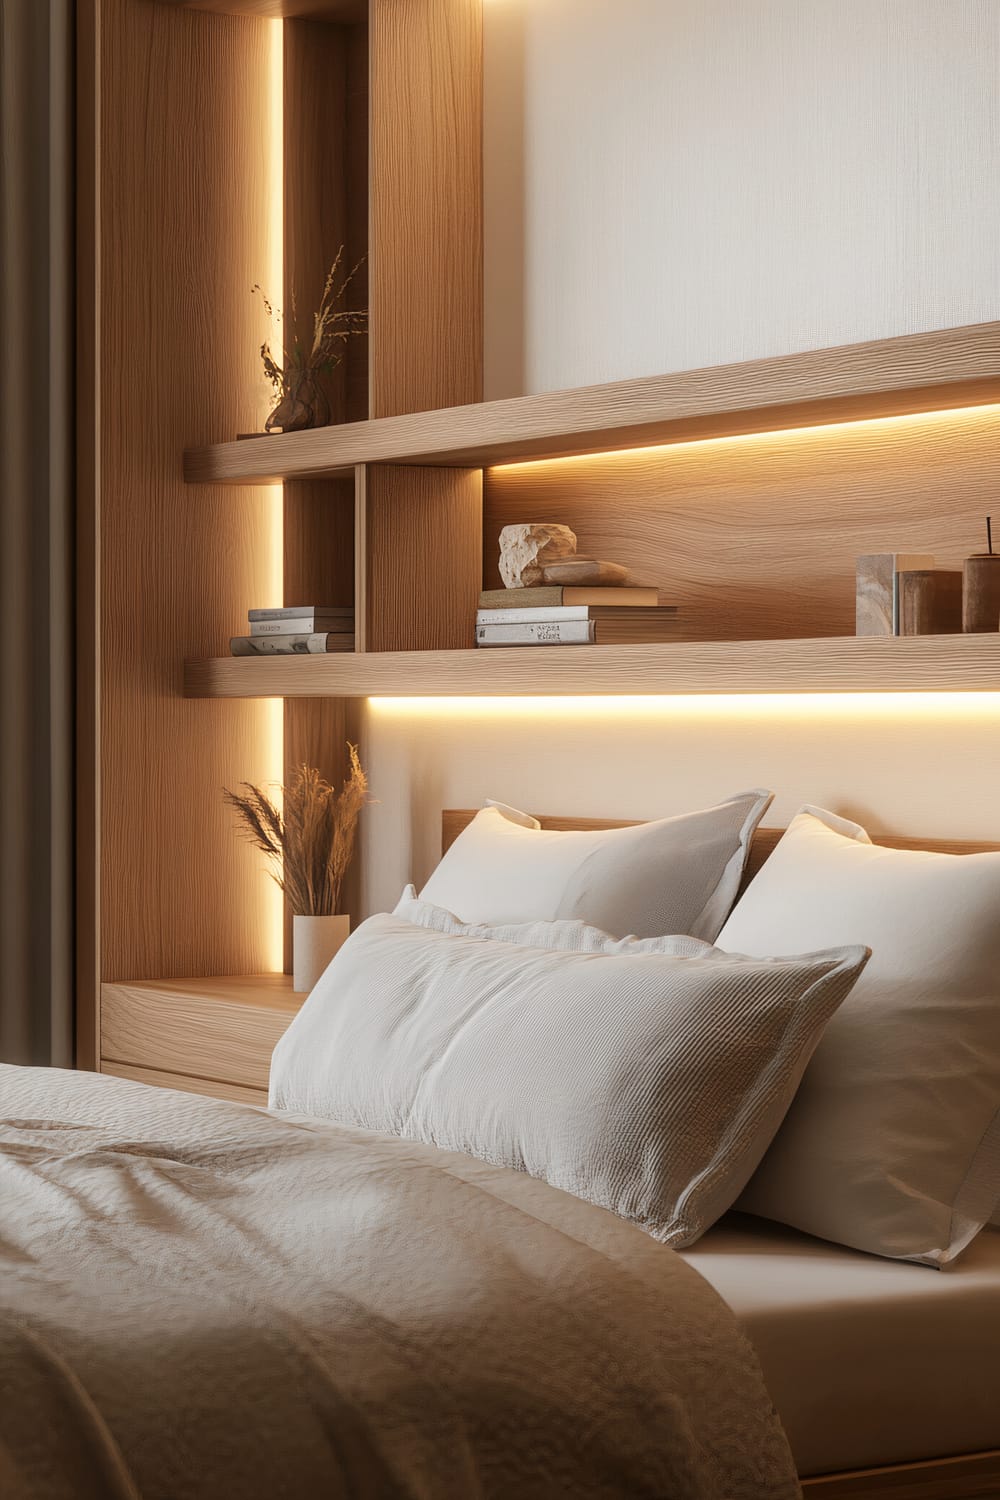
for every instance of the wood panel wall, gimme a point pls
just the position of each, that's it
(325, 140)
(756, 538)
(420, 535)
(182, 188)
(179, 206)
(426, 204)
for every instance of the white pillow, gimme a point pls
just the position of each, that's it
(893, 1143)
(647, 1083)
(570, 934)
(677, 875)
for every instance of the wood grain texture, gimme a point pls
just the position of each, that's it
(87, 538)
(210, 1087)
(425, 220)
(421, 543)
(930, 602)
(181, 893)
(315, 179)
(321, 65)
(968, 1477)
(921, 372)
(345, 11)
(758, 539)
(919, 664)
(356, 168)
(222, 1029)
(455, 819)
(981, 593)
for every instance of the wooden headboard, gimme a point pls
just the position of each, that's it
(453, 820)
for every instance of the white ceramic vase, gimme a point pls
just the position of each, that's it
(315, 941)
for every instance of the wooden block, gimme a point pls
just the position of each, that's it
(877, 595)
(981, 606)
(930, 602)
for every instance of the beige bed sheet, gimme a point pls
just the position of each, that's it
(868, 1361)
(199, 1299)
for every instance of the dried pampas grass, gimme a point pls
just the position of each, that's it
(310, 841)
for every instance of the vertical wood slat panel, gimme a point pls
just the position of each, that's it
(422, 546)
(357, 215)
(420, 540)
(183, 165)
(426, 204)
(321, 148)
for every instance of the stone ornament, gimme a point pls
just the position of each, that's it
(524, 551)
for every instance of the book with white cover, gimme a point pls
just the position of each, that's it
(305, 625)
(301, 611)
(290, 645)
(542, 633)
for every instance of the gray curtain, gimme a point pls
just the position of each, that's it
(36, 539)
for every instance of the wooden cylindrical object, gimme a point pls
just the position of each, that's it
(981, 594)
(930, 602)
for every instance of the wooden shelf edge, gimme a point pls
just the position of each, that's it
(916, 373)
(342, 12)
(272, 991)
(831, 665)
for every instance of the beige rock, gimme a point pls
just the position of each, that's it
(524, 551)
(579, 571)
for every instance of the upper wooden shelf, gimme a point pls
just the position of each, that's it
(946, 663)
(345, 11)
(921, 372)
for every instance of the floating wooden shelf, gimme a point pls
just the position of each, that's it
(948, 663)
(346, 11)
(920, 372)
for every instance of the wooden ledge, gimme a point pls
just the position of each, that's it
(942, 664)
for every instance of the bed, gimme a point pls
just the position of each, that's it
(886, 1379)
(203, 1298)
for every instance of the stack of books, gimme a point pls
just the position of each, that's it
(296, 630)
(554, 616)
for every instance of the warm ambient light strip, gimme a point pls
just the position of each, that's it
(917, 706)
(782, 434)
(273, 724)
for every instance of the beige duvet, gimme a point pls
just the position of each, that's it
(203, 1299)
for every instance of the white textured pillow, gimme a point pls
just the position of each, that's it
(648, 1083)
(569, 934)
(893, 1142)
(677, 875)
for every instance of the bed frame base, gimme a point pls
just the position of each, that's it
(974, 1476)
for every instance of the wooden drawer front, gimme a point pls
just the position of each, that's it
(191, 1035)
(186, 1085)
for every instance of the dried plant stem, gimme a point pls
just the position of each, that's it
(311, 843)
(333, 325)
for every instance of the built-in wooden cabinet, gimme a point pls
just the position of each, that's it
(211, 1036)
(209, 131)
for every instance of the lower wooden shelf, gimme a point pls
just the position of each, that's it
(207, 1036)
(842, 664)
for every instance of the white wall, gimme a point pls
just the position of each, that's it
(680, 182)
(675, 183)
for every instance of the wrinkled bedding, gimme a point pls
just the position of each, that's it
(200, 1299)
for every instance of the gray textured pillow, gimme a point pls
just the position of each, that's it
(678, 874)
(647, 1078)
